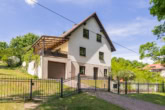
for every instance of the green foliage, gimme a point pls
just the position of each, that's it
(132, 70)
(23, 41)
(151, 50)
(18, 47)
(3, 45)
(158, 9)
(30, 56)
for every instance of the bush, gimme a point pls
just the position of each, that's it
(13, 61)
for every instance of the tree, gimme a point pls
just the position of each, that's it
(151, 50)
(3, 45)
(128, 70)
(126, 75)
(158, 9)
(23, 41)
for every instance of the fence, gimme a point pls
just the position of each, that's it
(24, 88)
(107, 84)
(28, 89)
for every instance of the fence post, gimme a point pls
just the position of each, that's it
(138, 88)
(118, 86)
(126, 87)
(79, 83)
(31, 87)
(148, 87)
(163, 86)
(95, 84)
(61, 87)
(109, 84)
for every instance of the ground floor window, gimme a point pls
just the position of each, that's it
(82, 70)
(105, 72)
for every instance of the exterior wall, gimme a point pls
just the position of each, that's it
(163, 73)
(56, 59)
(88, 69)
(92, 47)
(35, 70)
(63, 47)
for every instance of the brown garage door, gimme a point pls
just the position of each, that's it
(56, 70)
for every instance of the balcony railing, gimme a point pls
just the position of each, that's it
(56, 53)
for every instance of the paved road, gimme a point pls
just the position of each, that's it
(127, 103)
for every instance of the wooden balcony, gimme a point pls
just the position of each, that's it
(57, 53)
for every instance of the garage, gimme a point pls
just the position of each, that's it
(56, 70)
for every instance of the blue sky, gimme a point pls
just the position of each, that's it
(128, 22)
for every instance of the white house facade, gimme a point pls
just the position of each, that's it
(84, 49)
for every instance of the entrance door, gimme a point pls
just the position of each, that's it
(95, 76)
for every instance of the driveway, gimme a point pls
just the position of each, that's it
(127, 103)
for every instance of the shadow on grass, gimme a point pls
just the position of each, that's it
(80, 101)
(157, 98)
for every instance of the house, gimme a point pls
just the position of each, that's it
(86, 49)
(156, 68)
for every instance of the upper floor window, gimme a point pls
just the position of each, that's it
(86, 33)
(105, 72)
(101, 55)
(82, 70)
(82, 51)
(99, 38)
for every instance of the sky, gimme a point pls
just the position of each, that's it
(128, 22)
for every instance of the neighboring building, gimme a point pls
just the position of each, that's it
(156, 68)
(84, 49)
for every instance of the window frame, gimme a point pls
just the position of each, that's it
(100, 55)
(84, 36)
(99, 35)
(84, 55)
(82, 67)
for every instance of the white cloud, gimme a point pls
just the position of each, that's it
(31, 2)
(139, 26)
(81, 1)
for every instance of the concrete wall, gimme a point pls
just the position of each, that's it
(92, 48)
(88, 69)
(63, 47)
(56, 59)
(163, 73)
(34, 70)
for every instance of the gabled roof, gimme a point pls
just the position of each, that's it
(75, 27)
(54, 41)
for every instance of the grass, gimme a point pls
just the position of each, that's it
(12, 106)
(103, 84)
(77, 102)
(156, 98)
(13, 72)
(17, 84)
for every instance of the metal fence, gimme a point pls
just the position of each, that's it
(12, 88)
(114, 86)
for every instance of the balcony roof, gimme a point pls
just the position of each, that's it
(48, 43)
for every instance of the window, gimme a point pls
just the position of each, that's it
(82, 51)
(86, 33)
(99, 38)
(101, 55)
(82, 70)
(105, 72)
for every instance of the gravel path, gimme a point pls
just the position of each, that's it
(127, 103)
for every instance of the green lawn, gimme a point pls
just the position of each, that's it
(13, 72)
(77, 102)
(12, 106)
(157, 98)
(103, 84)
